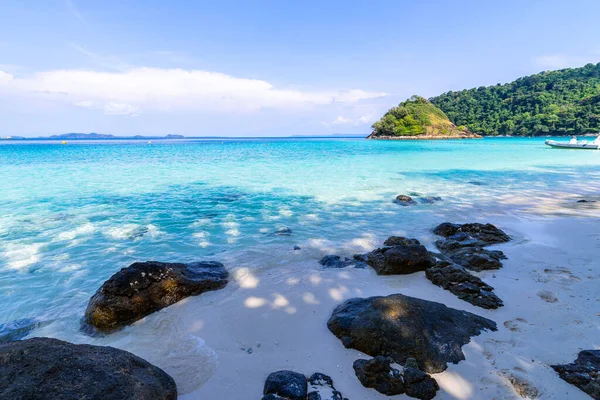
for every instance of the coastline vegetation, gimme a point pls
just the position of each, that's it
(563, 102)
(413, 117)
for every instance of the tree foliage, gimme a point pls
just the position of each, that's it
(415, 116)
(555, 102)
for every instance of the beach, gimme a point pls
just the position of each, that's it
(273, 314)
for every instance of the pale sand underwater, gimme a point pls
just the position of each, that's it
(223, 344)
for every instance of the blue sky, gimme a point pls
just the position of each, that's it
(265, 68)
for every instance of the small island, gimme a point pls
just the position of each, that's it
(418, 119)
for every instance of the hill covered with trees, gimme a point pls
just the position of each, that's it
(564, 102)
(416, 118)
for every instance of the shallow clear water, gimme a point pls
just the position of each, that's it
(72, 215)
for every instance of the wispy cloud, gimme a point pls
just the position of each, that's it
(134, 90)
(70, 6)
(559, 61)
(108, 62)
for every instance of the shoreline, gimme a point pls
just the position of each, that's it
(273, 315)
(423, 137)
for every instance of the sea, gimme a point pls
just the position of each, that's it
(73, 214)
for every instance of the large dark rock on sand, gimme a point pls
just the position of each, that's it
(378, 374)
(404, 327)
(286, 384)
(145, 287)
(464, 285)
(50, 369)
(399, 256)
(583, 373)
(486, 233)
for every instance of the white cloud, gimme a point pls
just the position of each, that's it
(340, 120)
(137, 89)
(560, 61)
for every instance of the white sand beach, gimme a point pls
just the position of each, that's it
(223, 344)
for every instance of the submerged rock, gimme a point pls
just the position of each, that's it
(583, 373)
(465, 286)
(404, 200)
(284, 231)
(50, 369)
(430, 199)
(146, 287)
(378, 374)
(332, 261)
(486, 233)
(286, 384)
(400, 256)
(404, 327)
(17, 330)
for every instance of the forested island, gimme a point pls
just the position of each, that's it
(564, 102)
(417, 118)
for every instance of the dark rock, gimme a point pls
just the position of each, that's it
(378, 374)
(476, 183)
(404, 200)
(287, 384)
(486, 233)
(404, 256)
(332, 261)
(586, 201)
(583, 373)
(471, 256)
(145, 287)
(419, 384)
(320, 387)
(400, 327)
(50, 369)
(297, 248)
(272, 396)
(400, 241)
(465, 286)
(18, 329)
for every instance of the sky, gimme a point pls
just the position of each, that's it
(266, 68)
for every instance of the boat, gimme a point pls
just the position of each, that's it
(575, 144)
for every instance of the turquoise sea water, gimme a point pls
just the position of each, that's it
(72, 215)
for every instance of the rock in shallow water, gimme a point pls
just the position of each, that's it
(144, 287)
(404, 327)
(404, 200)
(400, 256)
(583, 373)
(465, 286)
(44, 368)
(332, 261)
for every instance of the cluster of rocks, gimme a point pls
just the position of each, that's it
(44, 368)
(403, 327)
(464, 245)
(464, 285)
(584, 372)
(379, 374)
(290, 385)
